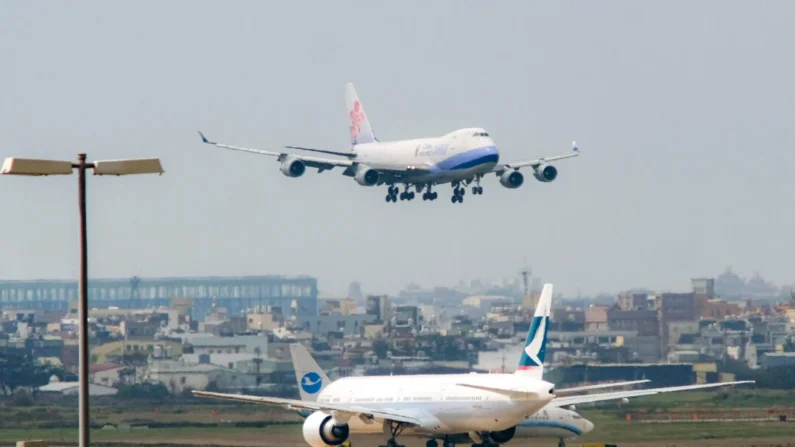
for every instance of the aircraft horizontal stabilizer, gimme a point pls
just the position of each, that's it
(506, 391)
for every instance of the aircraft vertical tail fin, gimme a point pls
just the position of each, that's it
(361, 131)
(531, 363)
(311, 378)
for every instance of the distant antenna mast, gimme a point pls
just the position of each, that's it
(526, 273)
(134, 295)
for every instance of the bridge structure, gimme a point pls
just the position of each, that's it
(295, 295)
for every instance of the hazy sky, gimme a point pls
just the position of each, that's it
(684, 112)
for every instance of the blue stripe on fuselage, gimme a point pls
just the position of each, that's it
(551, 424)
(468, 159)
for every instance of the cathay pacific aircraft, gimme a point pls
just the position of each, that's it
(488, 406)
(460, 158)
(488, 409)
(426, 405)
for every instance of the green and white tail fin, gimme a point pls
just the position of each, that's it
(531, 363)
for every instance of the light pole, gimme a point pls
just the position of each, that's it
(35, 167)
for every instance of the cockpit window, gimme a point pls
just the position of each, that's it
(576, 416)
(480, 134)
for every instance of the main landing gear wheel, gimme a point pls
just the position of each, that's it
(431, 443)
(458, 194)
(562, 443)
(406, 195)
(391, 195)
(477, 190)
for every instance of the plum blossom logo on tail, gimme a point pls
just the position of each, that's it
(357, 116)
(311, 382)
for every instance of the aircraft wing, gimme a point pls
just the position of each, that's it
(500, 168)
(320, 163)
(588, 398)
(598, 386)
(292, 404)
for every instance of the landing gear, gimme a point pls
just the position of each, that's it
(429, 195)
(395, 428)
(391, 195)
(477, 189)
(447, 442)
(562, 443)
(406, 195)
(458, 194)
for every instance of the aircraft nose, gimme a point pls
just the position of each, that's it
(588, 425)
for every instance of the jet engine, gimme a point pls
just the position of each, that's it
(512, 179)
(321, 430)
(366, 176)
(293, 167)
(501, 437)
(545, 173)
(494, 437)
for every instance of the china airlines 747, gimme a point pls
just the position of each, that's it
(460, 158)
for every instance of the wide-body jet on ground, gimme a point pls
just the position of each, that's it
(487, 406)
(460, 158)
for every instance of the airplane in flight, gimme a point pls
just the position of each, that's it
(460, 158)
(488, 406)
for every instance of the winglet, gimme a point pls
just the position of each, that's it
(574, 146)
(204, 139)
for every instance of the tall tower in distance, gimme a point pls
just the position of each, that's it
(529, 299)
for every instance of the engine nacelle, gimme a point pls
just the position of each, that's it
(321, 430)
(511, 179)
(494, 437)
(545, 173)
(293, 167)
(366, 176)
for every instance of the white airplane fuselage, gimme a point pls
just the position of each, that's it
(441, 402)
(460, 155)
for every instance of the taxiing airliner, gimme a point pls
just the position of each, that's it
(488, 409)
(487, 406)
(459, 158)
(558, 420)
(550, 422)
(426, 405)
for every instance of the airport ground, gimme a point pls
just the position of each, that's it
(749, 418)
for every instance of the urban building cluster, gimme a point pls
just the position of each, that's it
(234, 333)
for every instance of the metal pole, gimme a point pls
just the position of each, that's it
(83, 304)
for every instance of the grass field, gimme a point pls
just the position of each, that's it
(739, 397)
